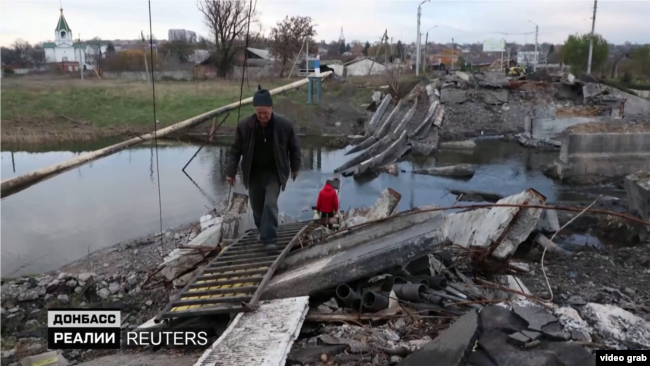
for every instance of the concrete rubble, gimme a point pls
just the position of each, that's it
(392, 288)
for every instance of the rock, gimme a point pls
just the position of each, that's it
(78, 289)
(114, 287)
(460, 171)
(9, 354)
(395, 359)
(15, 309)
(619, 326)
(580, 336)
(63, 276)
(453, 96)
(52, 286)
(132, 280)
(535, 316)
(323, 309)
(103, 293)
(518, 339)
(309, 355)
(399, 323)
(451, 347)
(63, 298)
(148, 302)
(576, 301)
(47, 296)
(28, 295)
(493, 97)
(460, 145)
(85, 276)
(331, 303)
(106, 265)
(71, 283)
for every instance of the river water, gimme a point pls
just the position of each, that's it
(116, 198)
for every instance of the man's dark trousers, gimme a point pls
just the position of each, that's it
(263, 191)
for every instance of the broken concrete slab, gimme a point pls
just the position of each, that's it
(262, 337)
(355, 237)
(495, 317)
(391, 153)
(536, 316)
(401, 127)
(459, 171)
(494, 97)
(464, 76)
(368, 153)
(637, 188)
(464, 145)
(451, 347)
(426, 121)
(181, 259)
(238, 218)
(383, 253)
(385, 205)
(504, 227)
(453, 96)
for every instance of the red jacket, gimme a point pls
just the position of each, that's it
(328, 200)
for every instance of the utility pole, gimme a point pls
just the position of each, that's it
(419, 38)
(591, 41)
(453, 53)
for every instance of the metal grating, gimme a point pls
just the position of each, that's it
(262, 338)
(234, 280)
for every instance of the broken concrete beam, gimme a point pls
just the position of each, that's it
(392, 152)
(451, 347)
(357, 236)
(468, 144)
(373, 124)
(394, 114)
(369, 141)
(427, 121)
(262, 337)
(401, 127)
(502, 227)
(463, 76)
(460, 170)
(390, 250)
(453, 96)
(237, 218)
(371, 151)
(385, 205)
(548, 222)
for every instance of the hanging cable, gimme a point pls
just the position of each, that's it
(155, 127)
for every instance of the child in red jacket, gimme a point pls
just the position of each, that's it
(327, 204)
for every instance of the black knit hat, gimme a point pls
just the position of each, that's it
(262, 98)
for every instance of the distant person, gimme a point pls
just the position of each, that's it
(268, 148)
(327, 204)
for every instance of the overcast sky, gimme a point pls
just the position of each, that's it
(465, 21)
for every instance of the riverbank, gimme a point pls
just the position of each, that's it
(37, 109)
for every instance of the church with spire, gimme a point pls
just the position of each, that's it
(68, 53)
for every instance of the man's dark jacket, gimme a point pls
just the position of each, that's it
(286, 148)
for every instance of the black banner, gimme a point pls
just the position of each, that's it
(622, 357)
(83, 338)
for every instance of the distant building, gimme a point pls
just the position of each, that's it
(342, 37)
(182, 35)
(67, 53)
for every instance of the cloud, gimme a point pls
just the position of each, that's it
(469, 21)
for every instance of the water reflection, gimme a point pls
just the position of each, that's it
(116, 198)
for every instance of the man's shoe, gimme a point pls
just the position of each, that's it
(271, 249)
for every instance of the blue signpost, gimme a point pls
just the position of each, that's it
(317, 80)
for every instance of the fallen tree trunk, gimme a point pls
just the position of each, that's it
(468, 196)
(460, 170)
(9, 186)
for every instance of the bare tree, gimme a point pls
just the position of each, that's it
(21, 50)
(287, 38)
(37, 56)
(228, 22)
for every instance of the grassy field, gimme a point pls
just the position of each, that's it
(111, 102)
(40, 108)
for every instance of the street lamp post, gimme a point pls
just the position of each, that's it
(536, 55)
(419, 38)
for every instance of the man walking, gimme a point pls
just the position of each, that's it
(268, 148)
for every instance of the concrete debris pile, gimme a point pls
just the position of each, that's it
(180, 265)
